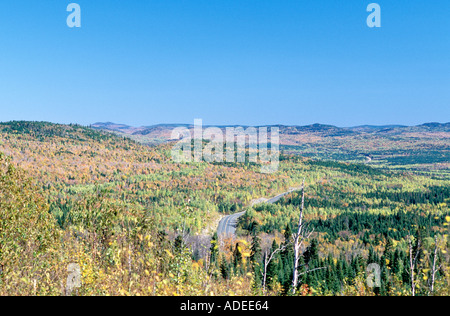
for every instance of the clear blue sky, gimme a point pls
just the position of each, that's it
(142, 62)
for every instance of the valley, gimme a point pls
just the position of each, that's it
(139, 223)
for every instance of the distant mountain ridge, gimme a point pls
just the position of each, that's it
(321, 129)
(422, 147)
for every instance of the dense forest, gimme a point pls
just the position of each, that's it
(137, 223)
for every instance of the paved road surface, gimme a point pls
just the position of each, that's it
(227, 225)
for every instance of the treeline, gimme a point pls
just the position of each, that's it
(431, 195)
(375, 228)
(350, 168)
(418, 265)
(45, 130)
(395, 208)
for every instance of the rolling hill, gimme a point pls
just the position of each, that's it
(138, 223)
(425, 146)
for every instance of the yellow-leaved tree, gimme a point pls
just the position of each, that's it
(28, 235)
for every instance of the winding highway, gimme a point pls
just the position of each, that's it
(227, 226)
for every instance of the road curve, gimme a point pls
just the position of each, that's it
(227, 226)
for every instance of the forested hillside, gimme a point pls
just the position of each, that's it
(424, 147)
(138, 223)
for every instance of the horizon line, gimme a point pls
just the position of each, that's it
(228, 125)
